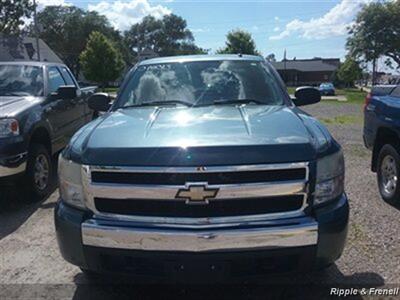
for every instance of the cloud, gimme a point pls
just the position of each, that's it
(200, 30)
(123, 14)
(277, 28)
(43, 3)
(333, 23)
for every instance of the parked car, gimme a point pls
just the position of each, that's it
(202, 164)
(382, 136)
(327, 89)
(41, 107)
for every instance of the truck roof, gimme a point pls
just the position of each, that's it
(31, 63)
(193, 58)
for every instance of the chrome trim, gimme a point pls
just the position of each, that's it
(7, 171)
(208, 169)
(226, 191)
(151, 239)
(168, 192)
(213, 221)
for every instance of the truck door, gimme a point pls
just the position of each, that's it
(76, 113)
(61, 113)
(55, 108)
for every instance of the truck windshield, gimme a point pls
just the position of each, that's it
(19, 80)
(201, 83)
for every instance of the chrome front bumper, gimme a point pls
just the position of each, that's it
(8, 171)
(303, 233)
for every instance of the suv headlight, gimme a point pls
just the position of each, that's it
(9, 127)
(70, 182)
(330, 178)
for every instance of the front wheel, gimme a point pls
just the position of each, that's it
(388, 173)
(39, 171)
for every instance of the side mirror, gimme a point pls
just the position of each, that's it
(66, 92)
(99, 102)
(306, 95)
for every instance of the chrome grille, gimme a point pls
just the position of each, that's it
(261, 183)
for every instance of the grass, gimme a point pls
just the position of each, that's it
(342, 120)
(353, 95)
(291, 90)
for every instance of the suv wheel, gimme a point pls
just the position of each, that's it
(388, 173)
(39, 171)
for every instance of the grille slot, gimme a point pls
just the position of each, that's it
(215, 208)
(212, 177)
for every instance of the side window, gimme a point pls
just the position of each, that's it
(55, 79)
(396, 92)
(67, 76)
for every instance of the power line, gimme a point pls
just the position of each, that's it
(36, 29)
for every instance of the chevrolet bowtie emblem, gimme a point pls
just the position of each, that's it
(196, 193)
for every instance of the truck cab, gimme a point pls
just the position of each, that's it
(382, 136)
(41, 107)
(203, 164)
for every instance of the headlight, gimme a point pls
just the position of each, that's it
(330, 178)
(9, 127)
(70, 182)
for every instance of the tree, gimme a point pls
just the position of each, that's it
(392, 33)
(13, 14)
(349, 71)
(66, 30)
(101, 62)
(375, 33)
(271, 57)
(239, 42)
(166, 36)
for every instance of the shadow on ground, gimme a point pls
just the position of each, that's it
(317, 285)
(395, 205)
(17, 205)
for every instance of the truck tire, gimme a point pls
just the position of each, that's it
(39, 172)
(388, 172)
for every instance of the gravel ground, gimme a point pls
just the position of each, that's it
(31, 265)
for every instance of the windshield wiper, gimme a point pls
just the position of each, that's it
(155, 103)
(15, 94)
(237, 101)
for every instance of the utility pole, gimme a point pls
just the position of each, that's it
(284, 64)
(36, 30)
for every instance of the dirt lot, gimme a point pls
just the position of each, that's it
(29, 253)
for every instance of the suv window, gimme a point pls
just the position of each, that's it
(55, 79)
(396, 92)
(67, 76)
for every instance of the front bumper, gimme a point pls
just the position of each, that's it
(303, 232)
(287, 245)
(327, 92)
(13, 165)
(13, 156)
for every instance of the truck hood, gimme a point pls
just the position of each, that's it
(12, 105)
(202, 135)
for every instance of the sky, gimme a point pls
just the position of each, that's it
(306, 29)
